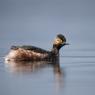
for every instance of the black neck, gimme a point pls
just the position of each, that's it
(55, 50)
(55, 53)
(57, 47)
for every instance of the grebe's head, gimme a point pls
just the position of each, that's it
(59, 41)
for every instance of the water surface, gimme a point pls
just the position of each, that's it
(75, 74)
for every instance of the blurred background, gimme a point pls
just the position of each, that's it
(37, 22)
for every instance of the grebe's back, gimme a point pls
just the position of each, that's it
(27, 53)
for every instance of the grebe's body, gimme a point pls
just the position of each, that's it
(32, 53)
(28, 53)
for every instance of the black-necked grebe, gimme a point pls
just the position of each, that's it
(32, 53)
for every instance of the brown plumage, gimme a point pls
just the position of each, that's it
(36, 54)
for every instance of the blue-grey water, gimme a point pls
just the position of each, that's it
(37, 22)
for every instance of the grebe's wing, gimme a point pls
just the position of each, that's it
(15, 47)
(28, 47)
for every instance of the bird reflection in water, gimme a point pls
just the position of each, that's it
(32, 66)
(28, 67)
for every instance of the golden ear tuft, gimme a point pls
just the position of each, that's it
(62, 37)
